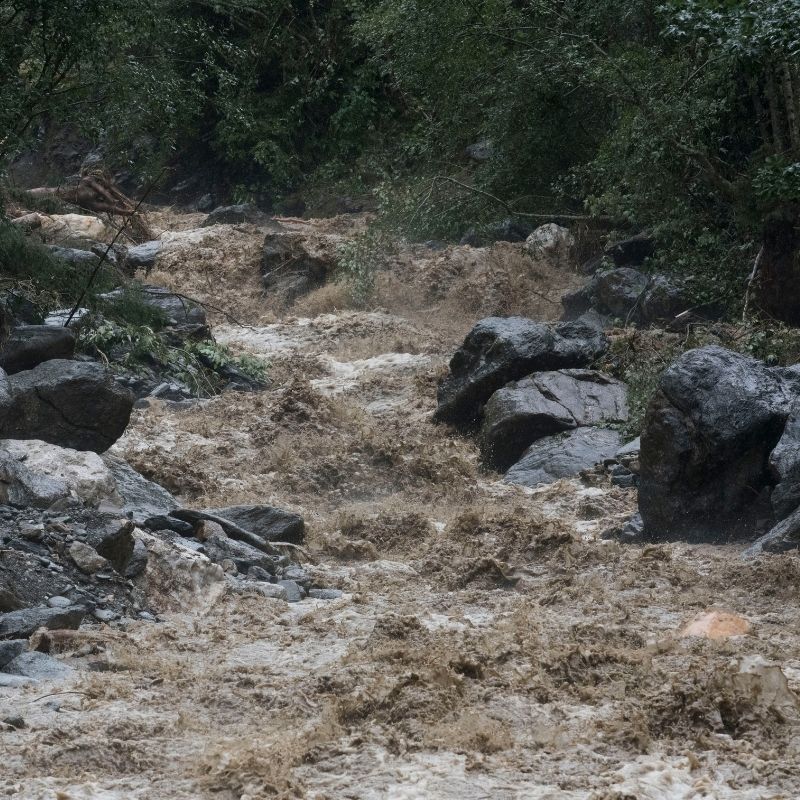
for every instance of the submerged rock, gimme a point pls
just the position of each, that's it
(502, 349)
(291, 267)
(234, 215)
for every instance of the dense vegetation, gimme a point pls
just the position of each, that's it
(681, 117)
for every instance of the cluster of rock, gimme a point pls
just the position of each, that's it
(539, 412)
(720, 451)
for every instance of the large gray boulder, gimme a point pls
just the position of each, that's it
(267, 522)
(563, 456)
(705, 448)
(28, 346)
(68, 403)
(37, 474)
(546, 403)
(503, 349)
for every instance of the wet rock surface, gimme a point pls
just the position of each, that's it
(547, 403)
(502, 349)
(705, 449)
(29, 345)
(563, 456)
(68, 403)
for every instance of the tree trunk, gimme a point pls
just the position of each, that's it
(777, 289)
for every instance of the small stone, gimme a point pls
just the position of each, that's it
(256, 573)
(228, 567)
(86, 558)
(105, 614)
(294, 592)
(624, 481)
(205, 529)
(57, 601)
(15, 721)
(147, 616)
(325, 594)
(32, 531)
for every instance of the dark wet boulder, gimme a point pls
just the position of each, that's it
(218, 547)
(784, 464)
(69, 403)
(563, 456)
(546, 403)
(780, 538)
(705, 448)
(615, 292)
(631, 296)
(268, 522)
(631, 252)
(503, 349)
(28, 346)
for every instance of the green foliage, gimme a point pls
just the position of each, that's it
(34, 273)
(126, 346)
(360, 259)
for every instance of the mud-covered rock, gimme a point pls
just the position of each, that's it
(503, 349)
(708, 434)
(563, 456)
(30, 345)
(68, 403)
(544, 404)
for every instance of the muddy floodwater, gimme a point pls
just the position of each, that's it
(488, 642)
